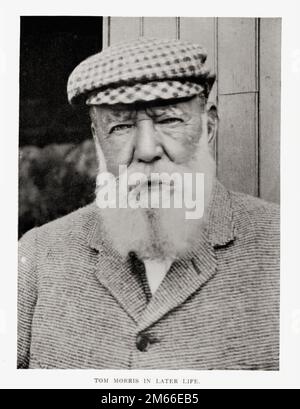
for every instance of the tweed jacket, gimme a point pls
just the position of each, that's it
(81, 305)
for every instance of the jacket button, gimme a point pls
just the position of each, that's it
(142, 342)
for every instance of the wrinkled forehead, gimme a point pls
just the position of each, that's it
(156, 108)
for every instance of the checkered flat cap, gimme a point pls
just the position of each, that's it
(144, 70)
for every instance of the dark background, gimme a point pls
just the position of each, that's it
(57, 160)
(50, 48)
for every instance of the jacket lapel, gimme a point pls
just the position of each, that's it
(186, 276)
(120, 276)
(183, 279)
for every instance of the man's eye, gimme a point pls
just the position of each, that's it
(120, 128)
(167, 121)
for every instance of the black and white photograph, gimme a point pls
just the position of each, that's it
(151, 200)
(148, 287)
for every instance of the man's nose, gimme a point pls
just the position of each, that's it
(148, 147)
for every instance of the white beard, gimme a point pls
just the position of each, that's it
(159, 234)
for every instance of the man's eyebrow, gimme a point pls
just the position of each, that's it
(120, 115)
(168, 109)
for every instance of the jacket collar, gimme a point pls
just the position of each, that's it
(121, 276)
(220, 227)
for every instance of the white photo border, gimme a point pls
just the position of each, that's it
(289, 374)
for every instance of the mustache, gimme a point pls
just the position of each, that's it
(153, 179)
(150, 184)
(153, 173)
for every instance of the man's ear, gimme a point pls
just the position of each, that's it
(93, 129)
(212, 123)
(95, 137)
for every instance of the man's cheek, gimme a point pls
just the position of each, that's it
(193, 133)
(117, 152)
(186, 138)
(183, 152)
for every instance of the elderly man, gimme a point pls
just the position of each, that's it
(145, 287)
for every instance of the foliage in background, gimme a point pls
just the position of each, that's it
(54, 181)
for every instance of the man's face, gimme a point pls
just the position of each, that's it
(150, 138)
(133, 135)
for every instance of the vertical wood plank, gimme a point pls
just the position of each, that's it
(237, 146)
(269, 103)
(237, 55)
(124, 29)
(105, 32)
(237, 163)
(161, 27)
(202, 31)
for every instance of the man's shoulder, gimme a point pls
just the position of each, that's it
(72, 227)
(255, 212)
(245, 203)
